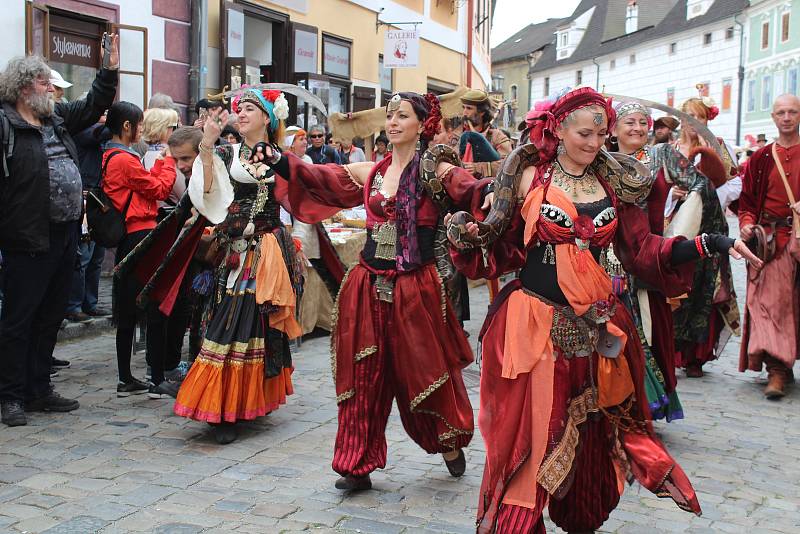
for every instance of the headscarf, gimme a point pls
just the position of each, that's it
(628, 108)
(409, 190)
(273, 103)
(545, 117)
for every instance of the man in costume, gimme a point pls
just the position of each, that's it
(663, 128)
(768, 211)
(478, 113)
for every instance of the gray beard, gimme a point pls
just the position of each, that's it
(41, 105)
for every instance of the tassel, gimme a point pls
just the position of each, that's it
(618, 284)
(249, 230)
(233, 261)
(549, 256)
(203, 283)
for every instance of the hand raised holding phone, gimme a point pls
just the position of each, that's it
(110, 51)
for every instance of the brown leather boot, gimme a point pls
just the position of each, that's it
(778, 376)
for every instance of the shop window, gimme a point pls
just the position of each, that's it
(336, 56)
(386, 75)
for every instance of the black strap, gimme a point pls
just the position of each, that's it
(103, 175)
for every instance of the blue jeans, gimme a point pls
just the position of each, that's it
(86, 278)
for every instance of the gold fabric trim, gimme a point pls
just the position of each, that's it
(346, 395)
(256, 343)
(442, 297)
(452, 433)
(360, 355)
(555, 469)
(428, 391)
(334, 322)
(352, 178)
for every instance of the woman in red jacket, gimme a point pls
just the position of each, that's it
(134, 191)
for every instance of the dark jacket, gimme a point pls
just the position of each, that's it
(323, 154)
(25, 193)
(90, 144)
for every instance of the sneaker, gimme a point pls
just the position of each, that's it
(78, 317)
(59, 364)
(134, 387)
(99, 312)
(53, 372)
(13, 413)
(53, 402)
(179, 373)
(163, 390)
(148, 374)
(64, 324)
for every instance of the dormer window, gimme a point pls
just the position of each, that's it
(569, 36)
(564, 39)
(631, 17)
(697, 8)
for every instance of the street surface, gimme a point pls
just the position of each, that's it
(129, 465)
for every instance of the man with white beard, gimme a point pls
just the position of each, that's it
(40, 212)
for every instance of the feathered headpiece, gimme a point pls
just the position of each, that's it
(271, 102)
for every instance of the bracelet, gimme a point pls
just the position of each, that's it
(704, 242)
(698, 245)
(275, 158)
(204, 148)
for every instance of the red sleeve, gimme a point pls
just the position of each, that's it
(312, 193)
(748, 203)
(503, 256)
(648, 256)
(465, 190)
(155, 184)
(710, 165)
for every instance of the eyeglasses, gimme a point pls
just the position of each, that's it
(316, 136)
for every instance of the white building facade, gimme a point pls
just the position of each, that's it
(659, 64)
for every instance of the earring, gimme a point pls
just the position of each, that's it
(389, 147)
(419, 145)
(560, 150)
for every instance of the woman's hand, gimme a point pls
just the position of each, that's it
(262, 153)
(212, 129)
(488, 200)
(113, 58)
(678, 194)
(472, 230)
(739, 250)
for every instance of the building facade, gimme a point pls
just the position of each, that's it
(773, 61)
(661, 50)
(335, 48)
(154, 42)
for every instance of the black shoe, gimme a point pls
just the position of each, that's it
(134, 387)
(53, 372)
(163, 390)
(224, 433)
(78, 317)
(99, 312)
(458, 465)
(59, 364)
(13, 413)
(53, 402)
(351, 483)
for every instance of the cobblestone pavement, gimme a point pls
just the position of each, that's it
(129, 465)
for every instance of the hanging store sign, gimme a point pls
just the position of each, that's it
(336, 60)
(74, 49)
(401, 49)
(235, 41)
(305, 51)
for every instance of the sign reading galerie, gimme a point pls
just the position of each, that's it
(401, 49)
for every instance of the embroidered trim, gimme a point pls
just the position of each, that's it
(346, 395)
(442, 297)
(555, 469)
(352, 178)
(428, 391)
(334, 322)
(360, 355)
(452, 433)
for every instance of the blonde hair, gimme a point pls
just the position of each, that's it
(696, 106)
(156, 122)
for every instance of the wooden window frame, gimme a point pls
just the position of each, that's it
(785, 25)
(765, 35)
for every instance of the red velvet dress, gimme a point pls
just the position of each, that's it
(562, 423)
(411, 349)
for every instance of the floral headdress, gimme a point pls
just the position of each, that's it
(273, 103)
(711, 107)
(545, 117)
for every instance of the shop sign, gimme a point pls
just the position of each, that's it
(74, 49)
(235, 41)
(305, 51)
(337, 59)
(401, 49)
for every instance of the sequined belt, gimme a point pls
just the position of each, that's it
(582, 335)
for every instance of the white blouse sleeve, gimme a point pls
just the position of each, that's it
(729, 191)
(214, 204)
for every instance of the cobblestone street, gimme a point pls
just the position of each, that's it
(129, 465)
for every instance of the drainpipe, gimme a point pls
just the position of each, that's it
(470, 31)
(196, 52)
(740, 96)
(597, 77)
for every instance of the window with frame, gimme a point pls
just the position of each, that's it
(612, 64)
(766, 92)
(785, 27)
(791, 81)
(707, 38)
(765, 36)
(632, 59)
(751, 95)
(631, 17)
(578, 77)
(673, 47)
(671, 97)
(564, 37)
(729, 33)
(546, 90)
(727, 89)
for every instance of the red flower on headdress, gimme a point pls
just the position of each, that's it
(712, 113)
(271, 96)
(433, 121)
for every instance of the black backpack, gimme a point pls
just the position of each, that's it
(106, 223)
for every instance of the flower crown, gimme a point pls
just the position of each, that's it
(272, 102)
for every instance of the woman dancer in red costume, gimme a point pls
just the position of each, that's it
(394, 335)
(563, 407)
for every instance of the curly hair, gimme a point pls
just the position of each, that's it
(21, 72)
